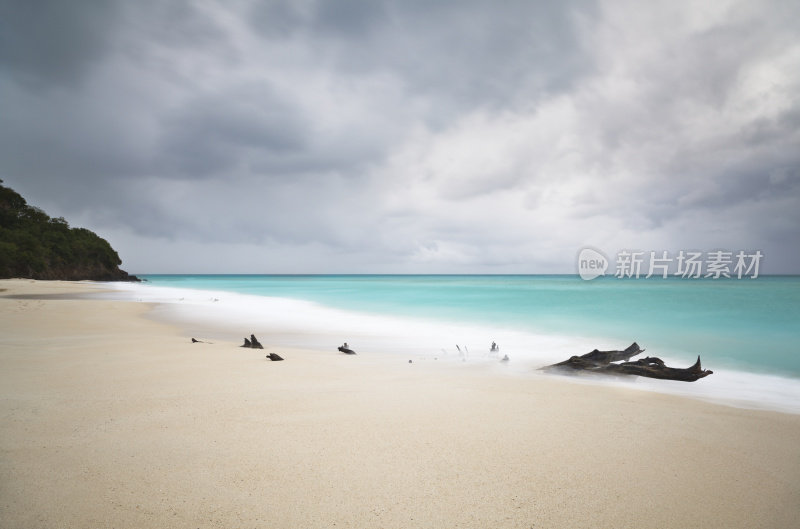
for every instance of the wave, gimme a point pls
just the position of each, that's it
(288, 322)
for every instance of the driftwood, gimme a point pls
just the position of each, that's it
(346, 350)
(603, 362)
(274, 357)
(252, 343)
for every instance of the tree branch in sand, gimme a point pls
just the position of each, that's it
(603, 362)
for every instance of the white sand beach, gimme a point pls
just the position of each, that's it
(112, 419)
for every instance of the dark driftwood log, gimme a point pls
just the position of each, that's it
(346, 350)
(602, 362)
(655, 368)
(246, 343)
(274, 357)
(599, 358)
(606, 357)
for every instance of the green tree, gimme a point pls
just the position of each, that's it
(36, 246)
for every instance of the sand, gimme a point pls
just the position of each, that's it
(112, 419)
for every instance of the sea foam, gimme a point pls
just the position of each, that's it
(286, 322)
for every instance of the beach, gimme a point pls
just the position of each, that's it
(114, 418)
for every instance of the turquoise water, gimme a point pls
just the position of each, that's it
(748, 324)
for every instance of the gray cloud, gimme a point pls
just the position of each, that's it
(48, 43)
(405, 136)
(218, 133)
(463, 53)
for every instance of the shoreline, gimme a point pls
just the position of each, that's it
(216, 312)
(112, 418)
(733, 325)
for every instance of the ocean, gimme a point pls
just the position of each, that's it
(746, 330)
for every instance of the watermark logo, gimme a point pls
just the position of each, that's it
(685, 264)
(591, 264)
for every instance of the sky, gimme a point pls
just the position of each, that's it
(417, 136)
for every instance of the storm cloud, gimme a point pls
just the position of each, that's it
(380, 136)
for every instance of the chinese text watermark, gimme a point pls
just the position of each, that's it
(685, 264)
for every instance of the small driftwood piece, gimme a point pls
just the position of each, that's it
(274, 357)
(252, 343)
(346, 350)
(603, 362)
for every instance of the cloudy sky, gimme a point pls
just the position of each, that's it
(336, 136)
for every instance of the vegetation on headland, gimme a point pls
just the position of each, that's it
(33, 245)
